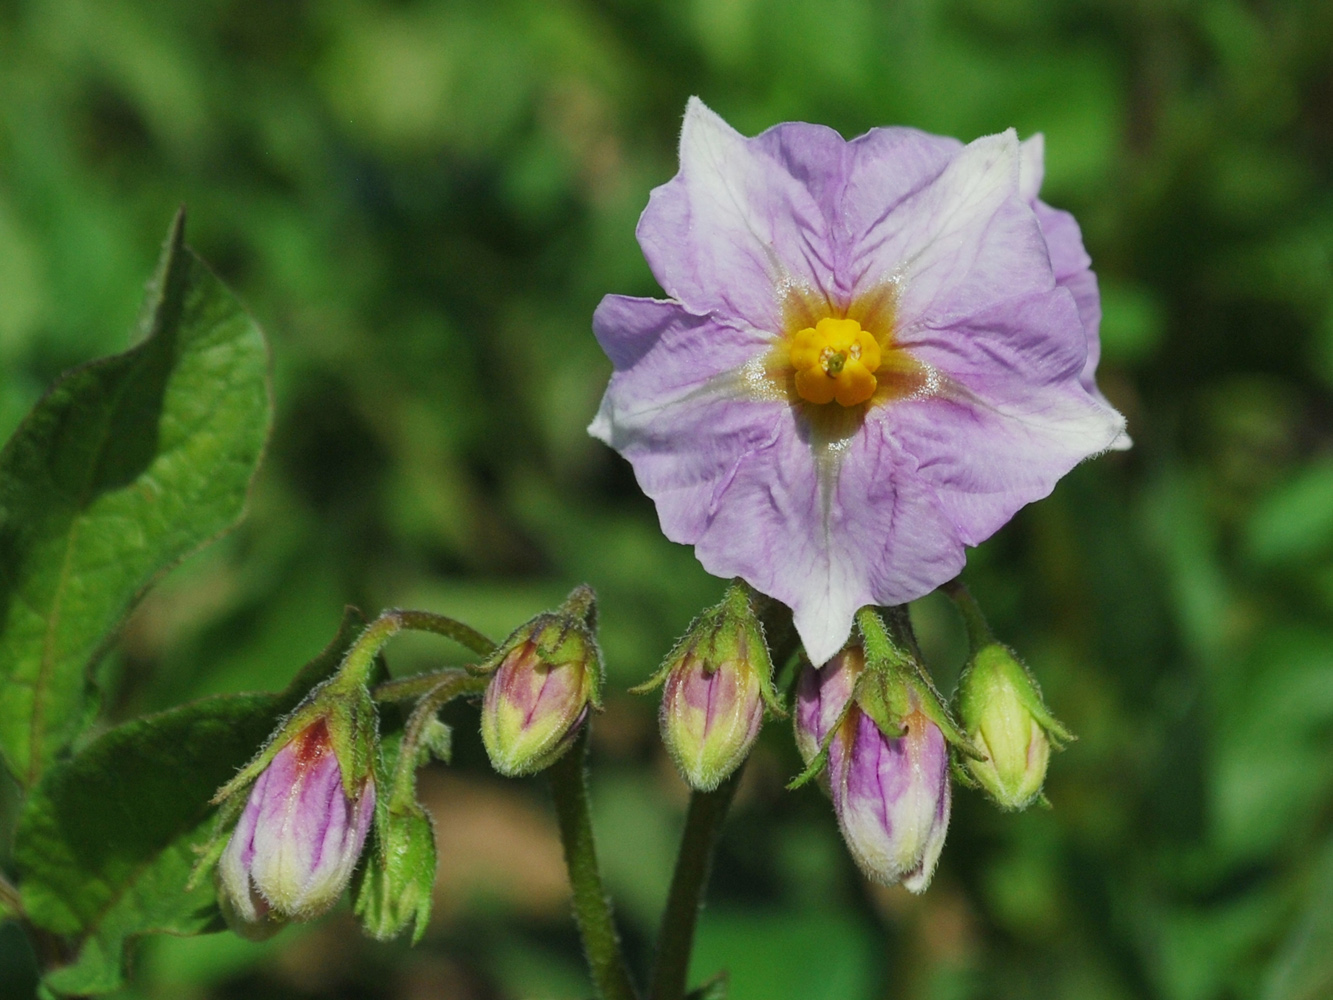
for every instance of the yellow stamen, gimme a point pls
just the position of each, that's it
(835, 359)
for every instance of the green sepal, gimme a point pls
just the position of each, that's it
(1029, 693)
(901, 684)
(437, 742)
(566, 636)
(715, 636)
(393, 887)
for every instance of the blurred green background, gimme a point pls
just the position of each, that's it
(422, 203)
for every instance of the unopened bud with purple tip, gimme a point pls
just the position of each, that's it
(822, 694)
(891, 796)
(546, 677)
(716, 682)
(299, 836)
(871, 725)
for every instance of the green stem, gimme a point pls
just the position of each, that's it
(420, 685)
(676, 939)
(978, 632)
(361, 657)
(453, 684)
(592, 907)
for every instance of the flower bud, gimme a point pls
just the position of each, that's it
(891, 796)
(395, 885)
(1002, 712)
(549, 673)
(717, 680)
(299, 836)
(821, 695)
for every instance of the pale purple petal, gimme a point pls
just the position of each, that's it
(828, 533)
(1026, 418)
(1071, 265)
(234, 865)
(671, 406)
(741, 220)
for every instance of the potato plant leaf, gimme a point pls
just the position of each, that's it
(128, 464)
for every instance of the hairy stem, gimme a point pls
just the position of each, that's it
(361, 657)
(978, 632)
(592, 907)
(676, 939)
(420, 685)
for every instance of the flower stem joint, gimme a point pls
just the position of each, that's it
(715, 684)
(546, 676)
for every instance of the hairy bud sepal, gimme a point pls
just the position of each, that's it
(544, 679)
(715, 684)
(1002, 712)
(394, 888)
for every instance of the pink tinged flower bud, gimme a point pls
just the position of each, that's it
(299, 837)
(1003, 714)
(536, 700)
(711, 714)
(821, 695)
(717, 681)
(891, 797)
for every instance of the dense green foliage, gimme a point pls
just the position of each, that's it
(422, 203)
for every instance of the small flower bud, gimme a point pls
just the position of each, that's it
(717, 680)
(1003, 714)
(549, 673)
(821, 695)
(395, 885)
(299, 836)
(891, 796)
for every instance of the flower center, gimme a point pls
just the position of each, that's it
(835, 360)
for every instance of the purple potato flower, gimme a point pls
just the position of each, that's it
(299, 837)
(874, 353)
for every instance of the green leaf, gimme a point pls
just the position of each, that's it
(126, 466)
(107, 840)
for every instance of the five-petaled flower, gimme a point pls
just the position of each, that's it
(874, 353)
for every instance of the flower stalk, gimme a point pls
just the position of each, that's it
(675, 941)
(592, 906)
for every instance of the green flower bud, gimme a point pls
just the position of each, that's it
(546, 675)
(394, 887)
(1003, 714)
(716, 682)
